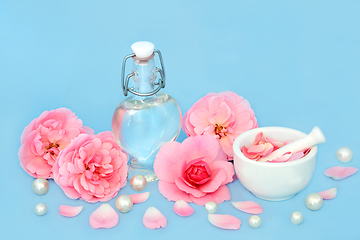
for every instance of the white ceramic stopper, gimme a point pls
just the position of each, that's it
(316, 136)
(143, 49)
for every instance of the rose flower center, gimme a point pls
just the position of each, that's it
(197, 172)
(220, 131)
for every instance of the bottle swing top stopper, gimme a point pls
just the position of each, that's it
(143, 49)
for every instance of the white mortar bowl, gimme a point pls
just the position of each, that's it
(273, 181)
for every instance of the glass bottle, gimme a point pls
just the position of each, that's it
(143, 122)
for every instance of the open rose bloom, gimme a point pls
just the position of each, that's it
(92, 167)
(223, 116)
(195, 170)
(44, 138)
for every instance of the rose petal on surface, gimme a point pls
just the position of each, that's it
(153, 219)
(224, 221)
(140, 197)
(104, 217)
(182, 208)
(69, 211)
(248, 207)
(339, 173)
(329, 194)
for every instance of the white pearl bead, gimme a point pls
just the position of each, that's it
(138, 183)
(40, 186)
(314, 201)
(40, 209)
(124, 203)
(211, 207)
(254, 221)
(296, 217)
(344, 154)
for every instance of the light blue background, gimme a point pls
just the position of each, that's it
(297, 62)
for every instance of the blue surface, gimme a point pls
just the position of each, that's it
(297, 62)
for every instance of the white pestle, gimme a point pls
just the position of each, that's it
(314, 137)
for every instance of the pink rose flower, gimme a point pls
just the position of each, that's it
(224, 116)
(45, 137)
(195, 170)
(92, 167)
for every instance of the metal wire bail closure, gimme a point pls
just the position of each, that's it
(125, 82)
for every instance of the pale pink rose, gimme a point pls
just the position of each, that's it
(45, 137)
(195, 170)
(92, 167)
(223, 116)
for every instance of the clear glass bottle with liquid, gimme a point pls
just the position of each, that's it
(143, 122)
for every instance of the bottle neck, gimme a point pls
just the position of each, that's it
(145, 75)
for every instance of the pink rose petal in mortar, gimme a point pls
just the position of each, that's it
(283, 158)
(258, 138)
(296, 156)
(224, 221)
(153, 219)
(69, 211)
(140, 197)
(339, 173)
(182, 208)
(329, 194)
(275, 143)
(268, 149)
(248, 207)
(256, 148)
(104, 217)
(252, 156)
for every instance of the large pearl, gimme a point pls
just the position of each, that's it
(124, 203)
(314, 201)
(254, 221)
(40, 186)
(138, 183)
(344, 154)
(296, 217)
(211, 207)
(40, 209)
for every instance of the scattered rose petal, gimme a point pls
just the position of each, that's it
(329, 194)
(104, 217)
(224, 221)
(140, 197)
(69, 211)
(339, 173)
(182, 208)
(153, 219)
(248, 207)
